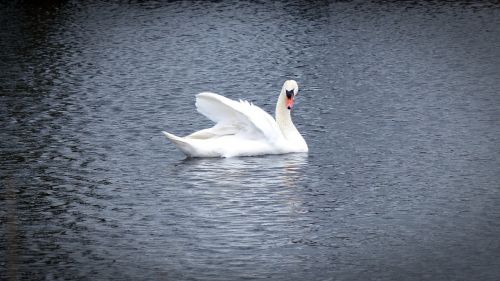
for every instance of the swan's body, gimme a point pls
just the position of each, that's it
(243, 129)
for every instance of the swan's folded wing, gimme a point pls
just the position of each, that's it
(218, 130)
(244, 115)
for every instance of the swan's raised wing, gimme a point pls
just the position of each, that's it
(242, 116)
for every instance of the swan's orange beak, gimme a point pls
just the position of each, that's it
(289, 103)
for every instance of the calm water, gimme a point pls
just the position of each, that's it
(399, 103)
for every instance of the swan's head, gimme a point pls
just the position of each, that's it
(291, 90)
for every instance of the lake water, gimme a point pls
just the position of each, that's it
(399, 103)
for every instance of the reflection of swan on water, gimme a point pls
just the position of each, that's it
(271, 170)
(241, 202)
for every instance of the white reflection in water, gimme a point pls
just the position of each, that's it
(272, 170)
(237, 203)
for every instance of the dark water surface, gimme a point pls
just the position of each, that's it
(399, 103)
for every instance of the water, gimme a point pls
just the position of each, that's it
(399, 103)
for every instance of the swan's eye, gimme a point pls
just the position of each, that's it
(289, 94)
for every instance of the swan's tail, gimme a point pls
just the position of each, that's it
(181, 143)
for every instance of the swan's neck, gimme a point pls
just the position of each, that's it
(284, 120)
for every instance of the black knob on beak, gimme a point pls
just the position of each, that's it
(289, 94)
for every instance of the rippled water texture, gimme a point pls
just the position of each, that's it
(399, 103)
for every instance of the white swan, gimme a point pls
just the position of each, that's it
(243, 129)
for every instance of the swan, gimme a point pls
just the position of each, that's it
(242, 128)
